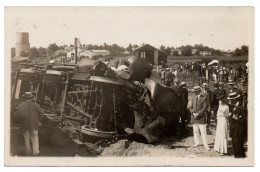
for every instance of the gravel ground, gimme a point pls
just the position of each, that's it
(182, 147)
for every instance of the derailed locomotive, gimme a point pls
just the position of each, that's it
(101, 104)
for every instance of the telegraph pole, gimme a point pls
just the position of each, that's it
(76, 50)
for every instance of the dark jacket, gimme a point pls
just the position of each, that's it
(238, 126)
(208, 99)
(198, 106)
(185, 96)
(178, 91)
(214, 100)
(29, 115)
(169, 76)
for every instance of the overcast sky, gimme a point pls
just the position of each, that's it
(218, 27)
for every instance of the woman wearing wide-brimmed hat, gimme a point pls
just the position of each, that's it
(221, 138)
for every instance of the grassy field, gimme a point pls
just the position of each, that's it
(227, 61)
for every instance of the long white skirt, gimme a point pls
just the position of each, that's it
(221, 140)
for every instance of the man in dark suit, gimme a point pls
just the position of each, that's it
(184, 93)
(180, 104)
(207, 93)
(29, 115)
(198, 108)
(238, 125)
(185, 100)
(168, 77)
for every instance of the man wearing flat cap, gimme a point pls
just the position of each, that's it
(30, 114)
(198, 108)
(238, 125)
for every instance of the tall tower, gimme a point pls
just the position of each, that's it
(22, 48)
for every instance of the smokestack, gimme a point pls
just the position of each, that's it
(22, 48)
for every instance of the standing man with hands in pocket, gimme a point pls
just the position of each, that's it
(198, 108)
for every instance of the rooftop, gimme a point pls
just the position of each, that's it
(148, 47)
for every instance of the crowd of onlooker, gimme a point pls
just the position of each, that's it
(225, 103)
(214, 72)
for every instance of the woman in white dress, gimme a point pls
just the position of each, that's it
(221, 139)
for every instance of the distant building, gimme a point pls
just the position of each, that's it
(126, 52)
(61, 52)
(152, 55)
(71, 53)
(205, 53)
(93, 53)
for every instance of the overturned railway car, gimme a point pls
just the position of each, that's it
(92, 108)
(96, 107)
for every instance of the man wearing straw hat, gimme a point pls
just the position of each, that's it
(30, 114)
(198, 108)
(238, 125)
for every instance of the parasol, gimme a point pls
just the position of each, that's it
(52, 61)
(213, 62)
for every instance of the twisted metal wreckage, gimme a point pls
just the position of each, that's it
(104, 104)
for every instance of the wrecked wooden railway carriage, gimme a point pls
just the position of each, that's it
(91, 108)
(97, 108)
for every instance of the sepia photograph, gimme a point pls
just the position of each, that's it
(129, 86)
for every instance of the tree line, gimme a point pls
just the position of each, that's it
(199, 49)
(116, 50)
